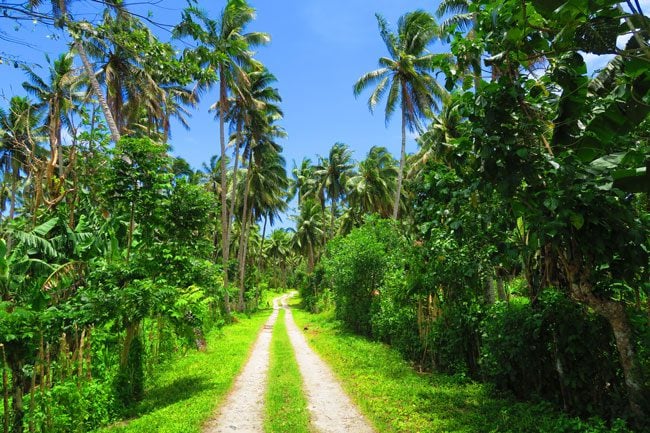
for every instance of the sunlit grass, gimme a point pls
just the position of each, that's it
(398, 399)
(286, 405)
(189, 389)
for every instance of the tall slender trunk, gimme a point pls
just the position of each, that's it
(259, 262)
(490, 293)
(402, 160)
(234, 182)
(243, 255)
(242, 234)
(501, 291)
(225, 235)
(310, 258)
(129, 240)
(110, 120)
(332, 218)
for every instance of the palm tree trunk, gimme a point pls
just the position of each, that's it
(310, 258)
(225, 235)
(332, 217)
(259, 262)
(112, 126)
(234, 182)
(242, 260)
(242, 234)
(402, 160)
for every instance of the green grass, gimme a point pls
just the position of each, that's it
(286, 405)
(188, 390)
(398, 399)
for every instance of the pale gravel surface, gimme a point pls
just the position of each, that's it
(243, 410)
(331, 409)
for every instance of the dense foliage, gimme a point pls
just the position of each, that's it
(517, 253)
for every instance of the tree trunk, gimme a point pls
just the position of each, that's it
(490, 293)
(112, 126)
(225, 235)
(242, 260)
(242, 234)
(259, 262)
(310, 263)
(235, 169)
(129, 240)
(402, 160)
(501, 292)
(614, 313)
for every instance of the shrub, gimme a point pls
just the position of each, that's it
(556, 350)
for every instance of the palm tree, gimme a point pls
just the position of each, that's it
(278, 249)
(301, 177)
(134, 95)
(371, 190)
(75, 29)
(260, 150)
(268, 187)
(437, 141)
(459, 16)
(255, 100)
(224, 47)
(19, 137)
(309, 231)
(59, 95)
(406, 76)
(332, 174)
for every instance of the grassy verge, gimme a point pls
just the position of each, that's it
(189, 389)
(286, 406)
(397, 399)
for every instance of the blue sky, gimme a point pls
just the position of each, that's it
(318, 50)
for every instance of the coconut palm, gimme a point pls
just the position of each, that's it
(278, 250)
(76, 29)
(263, 156)
(134, 95)
(372, 188)
(255, 100)
(438, 141)
(309, 231)
(57, 96)
(406, 78)
(223, 48)
(301, 176)
(19, 138)
(331, 175)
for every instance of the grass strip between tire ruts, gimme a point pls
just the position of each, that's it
(286, 405)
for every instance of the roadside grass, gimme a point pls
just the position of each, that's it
(189, 389)
(398, 399)
(286, 405)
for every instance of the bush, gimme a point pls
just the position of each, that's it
(555, 350)
(356, 265)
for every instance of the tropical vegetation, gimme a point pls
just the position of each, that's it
(506, 261)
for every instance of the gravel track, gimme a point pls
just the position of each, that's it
(331, 409)
(243, 410)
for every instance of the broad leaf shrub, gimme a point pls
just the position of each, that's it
(555, 350)
(366, 271)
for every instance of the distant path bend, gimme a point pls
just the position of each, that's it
(331, 409)
(243, 410)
